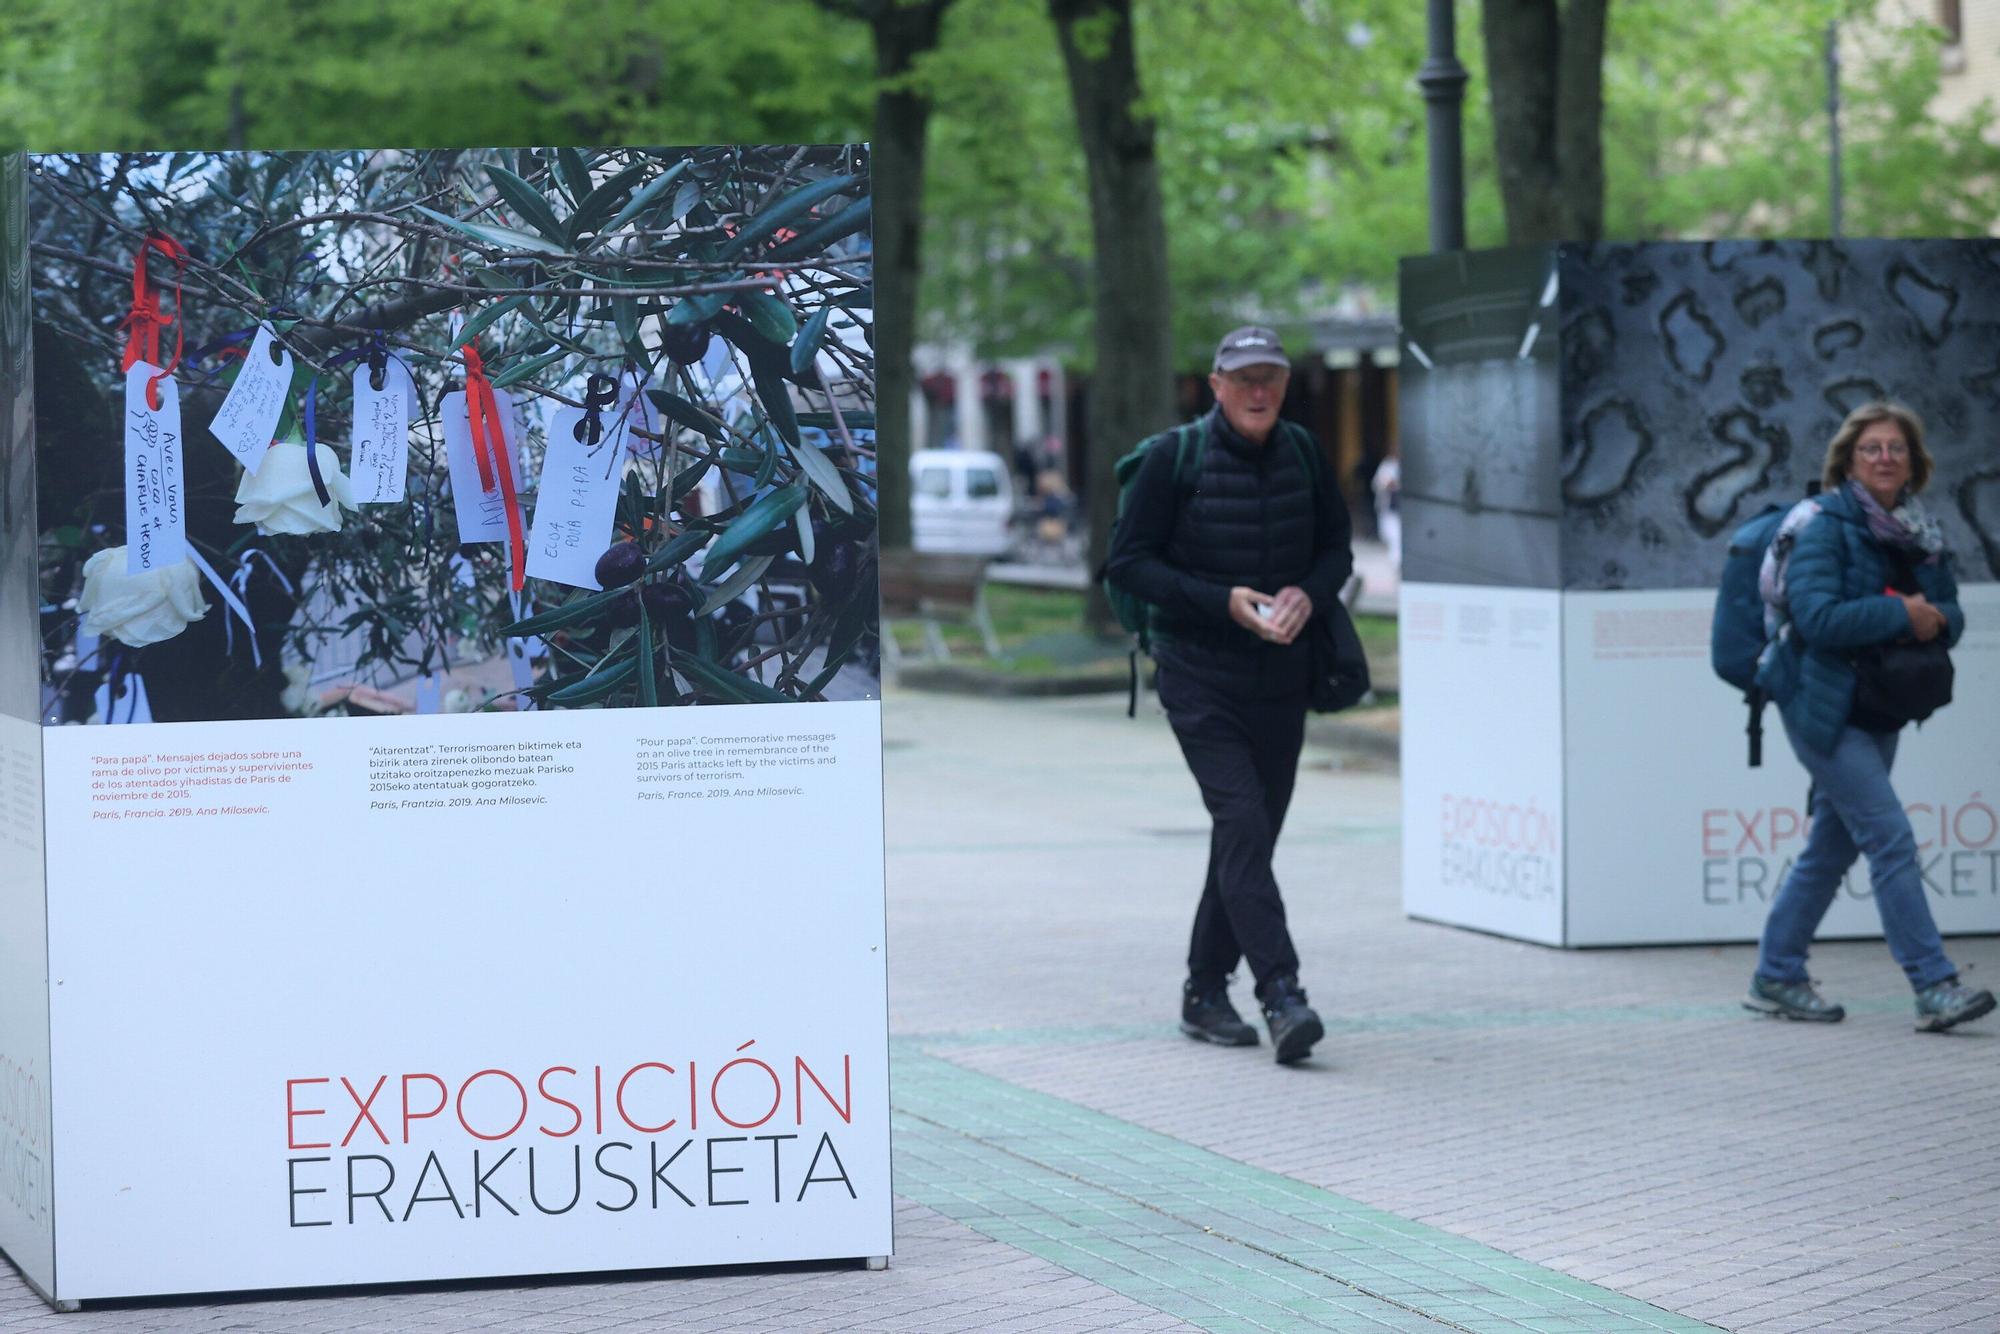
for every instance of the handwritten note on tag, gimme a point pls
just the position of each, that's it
(574, 503)
(155, 498)
(381, 435)
(250, 414)
(482, 514)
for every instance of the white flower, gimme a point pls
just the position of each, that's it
(279, 496)
(138, 609)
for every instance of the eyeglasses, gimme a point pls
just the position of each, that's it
(1257, 379)
(1876, 449)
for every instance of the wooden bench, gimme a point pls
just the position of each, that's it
(932, 588)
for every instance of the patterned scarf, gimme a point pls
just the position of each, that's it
(1909, 528)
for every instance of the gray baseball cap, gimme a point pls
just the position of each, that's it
(1252, 345)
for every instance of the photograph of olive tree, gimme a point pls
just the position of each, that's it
(388, 432)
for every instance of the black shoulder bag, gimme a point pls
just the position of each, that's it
(1904, 681)
(1339, 666)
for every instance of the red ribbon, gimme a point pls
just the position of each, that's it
(143, 322)
(489, 450)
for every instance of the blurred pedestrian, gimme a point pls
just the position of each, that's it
(1235, 561)
(1388, 488)
(1862, 567)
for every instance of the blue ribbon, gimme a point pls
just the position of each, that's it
(377, 353)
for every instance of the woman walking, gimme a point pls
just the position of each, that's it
(1861, 566)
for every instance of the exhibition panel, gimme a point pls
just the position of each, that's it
(1588, 425)
(443, 814)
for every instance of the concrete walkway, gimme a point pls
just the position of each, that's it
(1494, 1136)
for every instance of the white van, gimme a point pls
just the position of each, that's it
(961, 501)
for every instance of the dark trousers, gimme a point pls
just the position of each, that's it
(1244, 754)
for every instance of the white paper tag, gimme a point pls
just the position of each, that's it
(574, 503)
(381, 435)
(250, 414)
(482, 514)
(155, 497)
(430, 693)
(636, 413)
(521, 653)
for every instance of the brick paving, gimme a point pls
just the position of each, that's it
(1493, 1136)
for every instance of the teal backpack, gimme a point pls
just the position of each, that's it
(1189, 441)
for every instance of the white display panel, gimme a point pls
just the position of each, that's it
(1483, 820)
(256, 928)
(27, 1222)
(1675, 838)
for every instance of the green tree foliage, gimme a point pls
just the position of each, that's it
(122, 74)
(1291, 135)
(1291, 151)
(1720, 129)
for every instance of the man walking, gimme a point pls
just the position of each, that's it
(1236, 551)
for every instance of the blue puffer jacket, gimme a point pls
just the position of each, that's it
(1834, 585)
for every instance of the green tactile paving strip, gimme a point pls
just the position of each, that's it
(1222, 1245)
(1730, 1011)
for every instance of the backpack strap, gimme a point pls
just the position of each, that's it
(1189, 442)
(1189, 439)
(1754, 698)
(1308, 452)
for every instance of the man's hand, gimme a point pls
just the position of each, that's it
(1255, 612)
(1290, 612)
(1926, 621)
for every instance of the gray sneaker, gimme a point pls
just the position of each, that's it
(1950, 1002)
(1795, 1000)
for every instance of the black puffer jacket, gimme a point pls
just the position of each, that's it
(1251, 517)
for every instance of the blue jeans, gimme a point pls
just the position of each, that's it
(1854, 812)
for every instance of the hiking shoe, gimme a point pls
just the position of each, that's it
(1794, 1000)
(1294, 1027)
(1950, 1002)
(1207, 1016)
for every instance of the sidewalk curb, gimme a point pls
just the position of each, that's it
(956, 679)
(1343, 735)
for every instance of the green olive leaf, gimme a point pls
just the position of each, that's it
(528, 204)
(765, 514)
(503, 238)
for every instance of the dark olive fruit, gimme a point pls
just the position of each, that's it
(837, 567)
(664, 602)
(685, 343)
(670, 607)
(620, 565)
(624, 609)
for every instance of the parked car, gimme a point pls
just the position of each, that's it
(961, 501)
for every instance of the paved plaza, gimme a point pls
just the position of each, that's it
(1493, 1137)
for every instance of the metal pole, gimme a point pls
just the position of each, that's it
(1833, 124)
(1443, 80)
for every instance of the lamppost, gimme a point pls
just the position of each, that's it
(1443, 81)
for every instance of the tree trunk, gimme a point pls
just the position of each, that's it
(1544, 69)
(903, 33)
(1580, 117)
(1131, 386)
